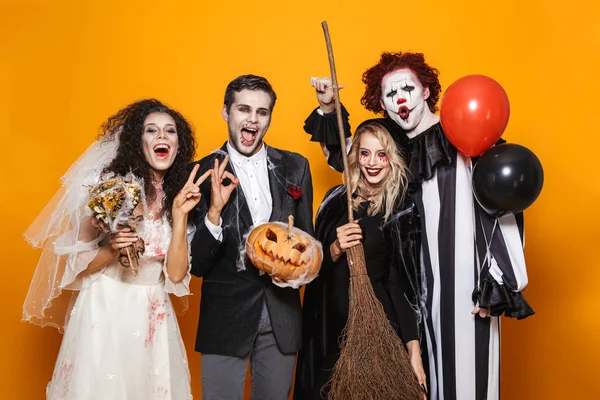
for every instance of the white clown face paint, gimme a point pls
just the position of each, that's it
(404, 98)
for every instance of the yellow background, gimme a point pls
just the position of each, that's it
(67, 65)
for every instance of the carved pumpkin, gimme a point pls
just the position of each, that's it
(285, 252)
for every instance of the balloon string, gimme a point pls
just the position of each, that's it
(479, 264)
(488, 244)
(488, 253)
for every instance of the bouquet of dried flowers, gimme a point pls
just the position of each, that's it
(117, 202)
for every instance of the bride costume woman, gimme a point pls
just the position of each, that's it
(121, 337)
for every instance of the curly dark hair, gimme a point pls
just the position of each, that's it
(128, 123)
(389, 62)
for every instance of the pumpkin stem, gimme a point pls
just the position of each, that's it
(290, 224)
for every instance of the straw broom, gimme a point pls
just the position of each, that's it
(373, 363)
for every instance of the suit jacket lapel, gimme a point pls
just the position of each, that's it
(277, 170)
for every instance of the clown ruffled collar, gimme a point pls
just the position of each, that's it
(428, 151)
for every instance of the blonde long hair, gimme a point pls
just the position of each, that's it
(393, 186)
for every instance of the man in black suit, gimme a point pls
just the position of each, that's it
(244, 316)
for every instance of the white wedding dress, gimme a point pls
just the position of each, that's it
(122, 340)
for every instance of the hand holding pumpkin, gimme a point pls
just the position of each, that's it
(348, 236)
(289, 255)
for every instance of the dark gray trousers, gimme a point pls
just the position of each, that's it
(272, 372)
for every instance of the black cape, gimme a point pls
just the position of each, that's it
(402, 233)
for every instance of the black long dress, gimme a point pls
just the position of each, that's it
(326, 299)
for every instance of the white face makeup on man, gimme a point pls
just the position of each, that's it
(160, 142)
(373, 161)
(248, 119)
(404, 98)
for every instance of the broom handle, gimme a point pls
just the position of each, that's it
(338, 110)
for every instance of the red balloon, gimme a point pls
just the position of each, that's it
(474, 113)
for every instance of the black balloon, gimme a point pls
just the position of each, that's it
(507, 178)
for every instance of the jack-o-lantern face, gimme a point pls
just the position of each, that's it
(284, 252)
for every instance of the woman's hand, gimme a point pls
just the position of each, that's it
(348, 236)
(189, 195)
(416, 363)
(122, 238)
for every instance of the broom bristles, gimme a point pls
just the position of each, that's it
(373, 363)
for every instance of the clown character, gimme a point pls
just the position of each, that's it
(472, 267)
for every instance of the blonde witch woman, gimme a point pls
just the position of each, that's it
(387, 224)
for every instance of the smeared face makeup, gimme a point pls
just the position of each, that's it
(373, 161)
(160, 142)
(404, 98)
(248, 119)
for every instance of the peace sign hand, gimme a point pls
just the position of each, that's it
(189, 195)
